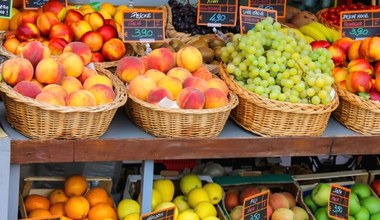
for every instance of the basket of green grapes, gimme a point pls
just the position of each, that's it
(284, 87)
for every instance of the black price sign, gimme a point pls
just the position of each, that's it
(143, 26)
(163, 214)
(34, 4)
(256, 207)
(338, 202)
(217, 13)
(250, 16)
(278, 5)
(5, 8)
(360, 24)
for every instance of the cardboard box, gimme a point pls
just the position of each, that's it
(373, 175)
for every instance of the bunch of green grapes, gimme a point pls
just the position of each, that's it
(279, 66)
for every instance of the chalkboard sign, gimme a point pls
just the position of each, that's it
(256, 207)
(217, 13)
(360, 24)
(143, 26)
(250, 16)
(338, 202)
(278, 5)
(163, 214)
(5, 8)
(35, 4)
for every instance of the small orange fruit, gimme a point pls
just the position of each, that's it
(97, 195)
(35, 201)
(39, 213)
(101, 211)
(57, 195)
(65, 218)
(58, 209)
(110, 201)
(75, 185)
(77, 207)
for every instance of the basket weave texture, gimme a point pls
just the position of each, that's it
(322, 20)
(39, 120)
(266, 117)
(358, 114)
(169, 122)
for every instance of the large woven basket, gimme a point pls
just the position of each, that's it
(322, 20)
(39, 120)
(267, 117)
(358, 114)
(169, 122)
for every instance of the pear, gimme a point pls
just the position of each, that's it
(166, 188)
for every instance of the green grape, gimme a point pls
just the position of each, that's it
(274, 95)
(237, 72)
(242, 67)
(315, 100)
(257, 80)
(230, 47)
(310, 92)
(259, 90)
(245, 74)
(322, 94)
(277, 25)
(251, 87)
(230, 68)
(300, 86)
(294, 99)
(264, 83)
(327, 99)
(275, 68)
(271, 81)
(236, 61)
(281, 97)
(236, 38)
(320, 82)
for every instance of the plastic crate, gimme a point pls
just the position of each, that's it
(178, 165)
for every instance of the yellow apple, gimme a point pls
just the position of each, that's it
(214, 191)
(165, 187)
(164, 205)
(188, 182)
(196, 196)
(132, 216)
(181, 203)
(188, 214)
(127, 206)
(205, 209)
(156, 198)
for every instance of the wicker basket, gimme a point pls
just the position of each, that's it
(322, 20)
(358, 114)
(39, 120)
(168, 122)
(267, 117)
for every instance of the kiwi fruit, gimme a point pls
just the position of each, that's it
(199, 43)
(155, 45)
(207, 54)
(217, 42)
(175, 42)
(217, 52)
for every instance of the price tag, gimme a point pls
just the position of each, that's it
(217, 13)
(256, 207)
(250, 16)
(163, 214)
(360, 24)
(278, 5)
(35, 4)
(6, 8)
(143, 26)
(338, 202)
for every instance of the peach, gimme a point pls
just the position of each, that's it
(190, 98)
(97, 79)
(156, 75)
(93, 39)
(97, 57)
(56, 45)
(81, 49)
(108, 32)
(20, 46)
(27, 32)
(80, 98)
(61, 30)
(103, 94)
(113, 49)
(27, 16)
(145, 61)
(72, 16)
(95, 19)
(358, 81)
(15, 70)
(35, 51)
(108, 7)
(56, 7)
(50, 98)
(13, 23)
(353, 50)
(87, 72)
(55, 89)
(189, 58)
(172, 84)
(202, 72)
(180, 73)
(72, 63)
(214, 98)
(27, 88)
(196, 82)
(161, 59)
(290, 198)
(218, 84)
(38, 83)
(11, 44)
(105, 14)
(344, 43)
(79, 28)
(129, 67)
(49, 71)
(360, 64)
(376, 69)
(157, 94)
(339, 74)
(278, 200)
(71, 84)
(10, 34)
(282, 214)
(111, 22)
(45, 21)
(140, 86)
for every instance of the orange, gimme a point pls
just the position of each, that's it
(65, 218)
(35, 201)
(77, 207)
(13, 22)
(101, 211)
(39, 213)
(57, 195)
(110, 201)
(11, 44)
(58, 209)
(4, 24)
(75, 185)
(97, 195)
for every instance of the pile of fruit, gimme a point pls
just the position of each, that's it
(362, 204)
(195, 200)
(178, 77)
(62, 81)
(74, 201)
(316, 31)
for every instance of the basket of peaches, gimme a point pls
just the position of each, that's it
(174, 94)
(64, 97)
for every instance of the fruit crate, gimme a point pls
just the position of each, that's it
(43, 185)
(274, 182)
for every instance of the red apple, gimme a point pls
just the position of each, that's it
(358, 81)
(247, 192)
(319, 44)
(375, 185)
(344, 43)
(339, 74)
(231, 199)
(339, 56)
(360, 64)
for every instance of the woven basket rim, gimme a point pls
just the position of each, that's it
(119, 100)
(282, 106)
(373, 106)
(322, 20)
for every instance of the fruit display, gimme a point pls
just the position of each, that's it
(279, 66)
(362, 203)
(316, 31)
(296, 17)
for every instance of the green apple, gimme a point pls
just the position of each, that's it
(354, 204)
(351, 218)
(362, 190)
(372, 204)
(310, 203)
(321, 214)
(362, 214)
(375, 216)
(320, 194)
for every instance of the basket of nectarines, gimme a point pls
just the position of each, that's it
(166, 100)
(59, 98)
